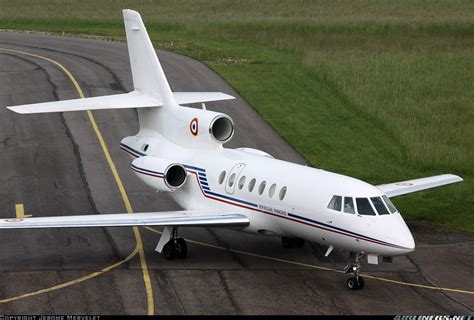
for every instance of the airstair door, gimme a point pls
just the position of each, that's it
(233, 177)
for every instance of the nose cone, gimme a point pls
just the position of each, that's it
(393, 230)
(405, 237)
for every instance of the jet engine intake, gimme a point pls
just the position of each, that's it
(221, 128)
(160, 174)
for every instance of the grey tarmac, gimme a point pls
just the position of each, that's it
(54, 165)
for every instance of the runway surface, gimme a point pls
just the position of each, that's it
(53, 164)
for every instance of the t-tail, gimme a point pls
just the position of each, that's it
(151, 93)
(147, 73)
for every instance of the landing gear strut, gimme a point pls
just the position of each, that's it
(175, 247)
(356, 282)
(288, 242)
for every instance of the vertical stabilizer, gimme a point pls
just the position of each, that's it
(148, 76)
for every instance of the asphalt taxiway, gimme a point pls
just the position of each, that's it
(56, 164)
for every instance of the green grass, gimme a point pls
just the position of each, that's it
(379, 90)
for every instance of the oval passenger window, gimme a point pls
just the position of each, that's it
(222, 177)
(231, 180)
(271, 191)
(261, 188)
(282, 193)
(241, 182)
(252, 184)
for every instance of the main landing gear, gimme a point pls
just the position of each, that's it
(356, 282)
(170, 246)
(292, 242)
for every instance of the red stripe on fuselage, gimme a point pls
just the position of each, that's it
(279, 216)
(288, 218)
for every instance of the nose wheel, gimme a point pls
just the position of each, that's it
(353, 267)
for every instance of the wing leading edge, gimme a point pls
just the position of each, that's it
(189, 218)
(404, 187)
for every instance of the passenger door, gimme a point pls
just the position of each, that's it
(233, 177)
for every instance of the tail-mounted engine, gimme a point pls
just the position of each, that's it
(199, 128)
(160, 174)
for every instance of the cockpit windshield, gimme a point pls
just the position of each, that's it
(389, 204)
(362, 206)
(378, 204)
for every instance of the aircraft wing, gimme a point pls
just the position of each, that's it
(188, 218)
(400, 188)
(132, 99)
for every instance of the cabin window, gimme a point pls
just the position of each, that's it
(241, 182)
(335, 203)
(272, 189)
(231, 180)
(262, 186)
(145, 147)
(252, 184)
(379, 206)
(282, 193)
(389, 204)
(348, 205)
(364, 207)
(222, 177)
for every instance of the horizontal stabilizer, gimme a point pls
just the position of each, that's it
(132, 99)
(197, 97)
(404, 187)
(189, 218)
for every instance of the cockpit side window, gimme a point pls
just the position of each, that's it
(364, 207)
(348, 205)
(379, 206)
(389, 204)
(335, 203)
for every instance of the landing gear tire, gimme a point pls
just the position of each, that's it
(181, 248)
(175, 248)
(299, 243)
(355, 283)
(287, 242)
(169, 250)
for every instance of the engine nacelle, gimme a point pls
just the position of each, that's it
(192, 127)
(160, 174)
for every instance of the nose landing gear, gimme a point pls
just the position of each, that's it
(356, 282)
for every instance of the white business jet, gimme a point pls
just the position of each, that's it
(180, 150)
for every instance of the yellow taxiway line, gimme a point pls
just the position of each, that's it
(20, 211)
(312, 266)
(126, 201)
(139, 248)
(75, 281)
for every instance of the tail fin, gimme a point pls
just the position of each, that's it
(147, 73)
(152, 90)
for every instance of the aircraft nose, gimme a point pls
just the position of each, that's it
(408, 242)
(406, 238)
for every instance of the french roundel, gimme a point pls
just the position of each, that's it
(194, 127)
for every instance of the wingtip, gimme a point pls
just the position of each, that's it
(15, 109)
(130, 14)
